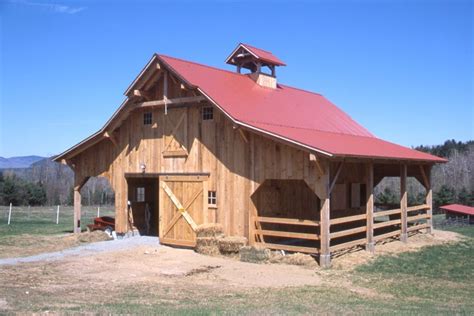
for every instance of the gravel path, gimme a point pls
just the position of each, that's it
(87, 250)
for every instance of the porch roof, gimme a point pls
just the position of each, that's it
(458, 208)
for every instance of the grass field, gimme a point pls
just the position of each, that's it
(42, 220)
(434, 280)
(34, 230)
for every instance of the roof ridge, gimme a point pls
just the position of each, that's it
(235, 73)
(299, 89)
(252, 46)
(310, 129)
(203, 65)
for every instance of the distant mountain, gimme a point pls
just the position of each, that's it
(58, 180)
(19, 162)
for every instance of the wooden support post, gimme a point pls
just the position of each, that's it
(78, 184)
(403, 202)
(370, 207)
(429, 202)
(77, 210)
(325, 254)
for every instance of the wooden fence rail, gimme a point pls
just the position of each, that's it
(348, 231)
(258, 220)
(388, 223)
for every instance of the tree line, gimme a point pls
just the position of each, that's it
(453, 182)
(20, 192)
(56, 181)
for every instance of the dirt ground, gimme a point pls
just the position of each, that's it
(28, 245)
(177, 272)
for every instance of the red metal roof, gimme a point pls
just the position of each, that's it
(458, 208)
(264, 55)
(258, 53)
(296, 115)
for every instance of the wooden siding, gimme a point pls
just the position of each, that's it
(236, 160)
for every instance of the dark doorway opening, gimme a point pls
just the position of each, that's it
(143, 204)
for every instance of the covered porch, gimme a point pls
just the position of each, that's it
(336, 210)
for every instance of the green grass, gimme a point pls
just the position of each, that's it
(441, 277)
(42, 220)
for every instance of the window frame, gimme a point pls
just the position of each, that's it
(207, 113)
(140, 194)
(212, 198)
(147, 118)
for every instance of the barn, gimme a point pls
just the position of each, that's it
(281, 166)
(458, 212)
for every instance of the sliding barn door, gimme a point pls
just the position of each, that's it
(183, 207)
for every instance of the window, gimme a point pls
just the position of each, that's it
(212, 198)
(147, 118)
(207, 113)
(141, 194)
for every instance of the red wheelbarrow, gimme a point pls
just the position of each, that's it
(104, 223)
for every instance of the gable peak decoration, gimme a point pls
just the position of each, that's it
(261, 64)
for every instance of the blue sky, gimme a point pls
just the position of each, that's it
(403, 69)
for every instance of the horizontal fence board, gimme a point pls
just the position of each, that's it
(286, 221)
(277, 233)
(388, 212)
(418, 207)
(288, 247)
(348, 232)
(417, 217)
(348, 219)
(387, 223)
(387, 235)
(417, 227)
(348, 244)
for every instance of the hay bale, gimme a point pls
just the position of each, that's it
(209, 230)
(231, 244)
(94, 236)
(254, 254)
(207, 246)
(298, 259)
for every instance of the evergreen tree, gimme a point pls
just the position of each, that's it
(463, 197)
(36, 194)
(387, 197)
(445, 195)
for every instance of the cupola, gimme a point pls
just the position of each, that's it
(261, 64)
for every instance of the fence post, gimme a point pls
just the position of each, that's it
(10, 214)
(57, 215)
(98, 211)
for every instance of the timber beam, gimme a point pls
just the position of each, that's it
(142, 94)
(112, 138)
(314, 158)
(167, 101)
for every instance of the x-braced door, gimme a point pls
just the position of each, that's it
(183, 205)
